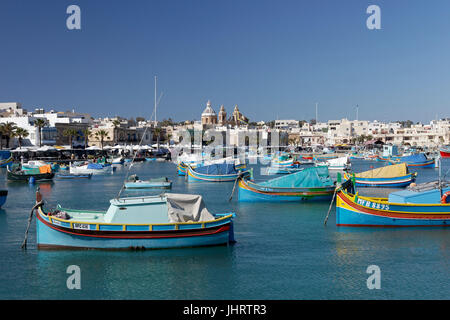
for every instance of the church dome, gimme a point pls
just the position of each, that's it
(209, 111)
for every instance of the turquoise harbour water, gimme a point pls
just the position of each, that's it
(283, 251)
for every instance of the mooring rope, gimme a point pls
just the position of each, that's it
(331, 205)
(37, 205)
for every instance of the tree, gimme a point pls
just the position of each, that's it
(86, 134)
(70, 133)
(116, 124)
(20, 133)
(40, 123)
(101, 135)
(158, 135)
(7, 131)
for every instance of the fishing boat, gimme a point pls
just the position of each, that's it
(282, 160)
(117, 160)
(3, 196)
(341, 163)
(38, 163)
(37, 174)
(5, 158)
(94, 168)
(281, 170)
(416, 161)
(422, 205)
(74, 176)
(309, 184)
(182, 168)
(160, 183)
(150, 159)
(296, 167)
(224, 172)
(393, 176)
(445, 152)
(151, 222)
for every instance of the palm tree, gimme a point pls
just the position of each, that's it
(116, 124)
(86, 134)
(101, 135)
(70, 133)
(7, 130)
(20, 133)
(158, 135)
(40, 123)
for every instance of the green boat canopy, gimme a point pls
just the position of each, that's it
(314, 177)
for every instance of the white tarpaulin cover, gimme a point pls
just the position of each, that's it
(187, 207)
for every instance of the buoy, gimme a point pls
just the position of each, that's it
(31, 180)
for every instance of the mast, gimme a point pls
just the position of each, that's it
(317, 113)
(155, 101)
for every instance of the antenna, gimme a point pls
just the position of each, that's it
(317, 112)
(357, 109)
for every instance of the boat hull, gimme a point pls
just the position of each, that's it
(195, 176)
(117, 237)
(251, 192)
(6, 162)
(355, 211)
(445, 153)
(397, 182)
(25, 177)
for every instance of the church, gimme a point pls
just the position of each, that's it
(209, 117)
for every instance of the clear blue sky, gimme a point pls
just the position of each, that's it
(274, 59)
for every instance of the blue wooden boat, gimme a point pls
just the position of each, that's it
(416, 161)
(309, 184)
(394, 176)
(6, 158)
(151, 222)
(420, 206)
(160, 183)
(3, 196)
(224, 172)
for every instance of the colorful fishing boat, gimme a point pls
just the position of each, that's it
(6, 158)
(18, 174)
(151, 222)
(445, 152)
(160, 183)
(296, 167)
(309, 184)
(94, 168)
(393, 176)
(415, 207)
(223, 172)
(3, 196)
(416, 161)
(182, 168)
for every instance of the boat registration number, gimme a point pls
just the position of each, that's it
(373, 205)
(81, 226)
